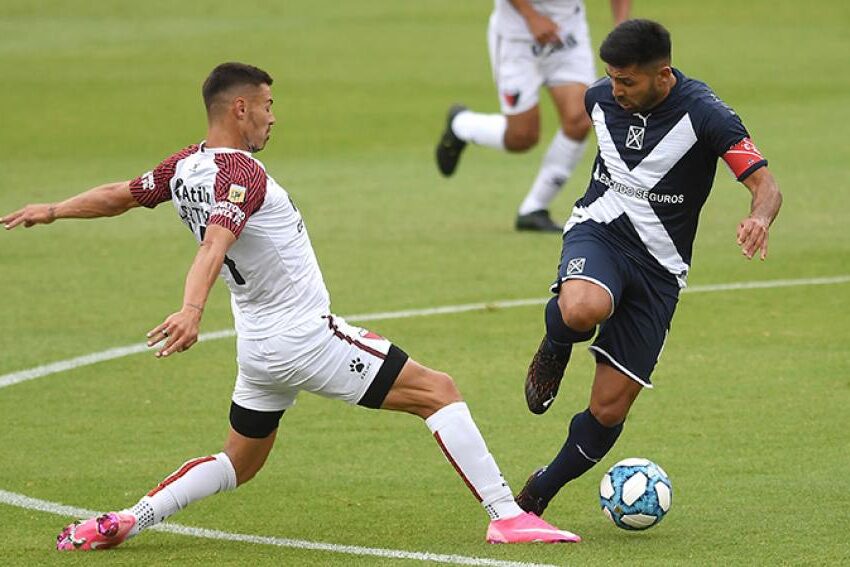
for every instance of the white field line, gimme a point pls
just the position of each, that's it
(28, 503)
(119, 352)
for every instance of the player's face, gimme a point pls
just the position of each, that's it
(639, 88)
(257, 125)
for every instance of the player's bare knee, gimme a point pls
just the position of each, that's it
(246, 465)
(441, 391)
(244, 475)
(250, 440)
(445, 390)
(609, 414)
(583, 317)
(523, 131)
(244, 470)
(580, 314)
(576, 127)
(521, 140)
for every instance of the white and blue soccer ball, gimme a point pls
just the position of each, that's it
(635, 494)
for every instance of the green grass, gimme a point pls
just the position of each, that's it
(749, 416)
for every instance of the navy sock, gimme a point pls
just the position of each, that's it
(587, 443)
(560, 337)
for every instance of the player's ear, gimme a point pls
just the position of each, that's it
(239, 107)
(664, 75)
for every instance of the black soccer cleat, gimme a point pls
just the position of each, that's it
(527, 500)
(544, 377)
(539, 221)
(450, 146)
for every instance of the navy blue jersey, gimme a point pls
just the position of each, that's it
(654, 171)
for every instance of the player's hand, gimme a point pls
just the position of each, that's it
(179, 331)
(752, 236)
(30, 215)
(543, 29)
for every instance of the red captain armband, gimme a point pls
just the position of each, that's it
(744, 158)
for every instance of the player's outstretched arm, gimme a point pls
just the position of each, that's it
(753, 230)
(106, 200)
(620, 10)
(181, 328)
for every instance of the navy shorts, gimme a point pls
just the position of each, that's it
(632, 338)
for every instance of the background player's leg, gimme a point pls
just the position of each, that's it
(523, 130)
(591, 435)
(514, 133)
(518, 79)
(565, 150)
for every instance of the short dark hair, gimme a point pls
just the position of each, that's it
(231, 74)
(636, 42)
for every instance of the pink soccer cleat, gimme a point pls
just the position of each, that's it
(527, 528)
(101, 532)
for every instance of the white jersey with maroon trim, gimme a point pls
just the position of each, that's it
(272, 272)
(510, 24)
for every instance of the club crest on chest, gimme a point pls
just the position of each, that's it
(634, 137)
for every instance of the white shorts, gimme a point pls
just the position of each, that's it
(326, 357)
(521, 66)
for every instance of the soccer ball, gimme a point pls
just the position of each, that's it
(635, 494)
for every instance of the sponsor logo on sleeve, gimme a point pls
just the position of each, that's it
(236, 194)
(228, 211)
(148, 181)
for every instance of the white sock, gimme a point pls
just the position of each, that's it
(196, 479)
(482, 129)
(557, 166)
(461, 442)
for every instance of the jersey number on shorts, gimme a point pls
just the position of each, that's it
(231, 265)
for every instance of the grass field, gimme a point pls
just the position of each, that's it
(749, 415)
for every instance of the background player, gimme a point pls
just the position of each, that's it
(251, 233)
(627, 246)
(533, 43)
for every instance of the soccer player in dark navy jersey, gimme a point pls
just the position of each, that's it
(627, 246)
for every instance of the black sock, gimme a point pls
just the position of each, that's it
(560, 337)
(587, 443)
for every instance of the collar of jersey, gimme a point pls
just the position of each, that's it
(204, 148)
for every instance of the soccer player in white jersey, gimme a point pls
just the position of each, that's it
(252, 235)
(533, 43)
